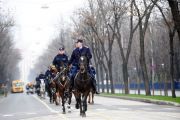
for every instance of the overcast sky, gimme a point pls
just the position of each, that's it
(35, 25)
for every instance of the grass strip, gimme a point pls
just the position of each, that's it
(155, 97)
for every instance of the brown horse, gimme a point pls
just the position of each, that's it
(52, 87)
(63, 85)
(82, 86)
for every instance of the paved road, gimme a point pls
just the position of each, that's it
(30, 107)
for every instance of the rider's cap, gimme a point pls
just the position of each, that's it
(79, 40)
(61, 48)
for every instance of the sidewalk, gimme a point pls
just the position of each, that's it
(156, 92)
(146, 100)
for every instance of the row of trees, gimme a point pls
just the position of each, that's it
(9, 56)
(131, 41)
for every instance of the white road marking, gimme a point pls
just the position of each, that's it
(170, 108)
(8, 115)
(147, 108)
(123, 108)
(50, 109)
(100, 109)
(31, 113)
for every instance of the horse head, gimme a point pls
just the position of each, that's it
(63, 72)
(83, 64)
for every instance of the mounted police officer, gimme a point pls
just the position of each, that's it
(79, 51)
(49, 74)
(38, 81)
(60, 58)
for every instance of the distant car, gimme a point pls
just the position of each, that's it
(17, 86)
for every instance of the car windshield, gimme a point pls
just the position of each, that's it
(18, 84)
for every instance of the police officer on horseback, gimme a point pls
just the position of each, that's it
(49, 74)
(79, 51)
(60, 58)
(38, 82)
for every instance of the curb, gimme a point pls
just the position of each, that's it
(158, 102)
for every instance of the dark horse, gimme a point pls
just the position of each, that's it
(82, 86)
(63, 84)
(51, 87)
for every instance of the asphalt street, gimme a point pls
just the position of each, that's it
(30, 107)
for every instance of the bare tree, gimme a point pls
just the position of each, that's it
(9, 55)
(142, 30)
(175, 10)
(171, 40)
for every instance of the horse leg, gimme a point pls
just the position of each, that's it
(69, 101)
(49, 94)
(77, 102)
(92, 98)
(43, 96)
(63, 102)
(44, 93)
(80, 105)
(84, 107)
(56, 98)
(89, 98)
(69, 98)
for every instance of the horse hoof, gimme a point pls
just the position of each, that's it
(63, 112)
(83, 115)
(89, 102)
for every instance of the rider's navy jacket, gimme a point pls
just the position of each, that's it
(77, 53)
(41, 76)
(58, 59)
(48, 74)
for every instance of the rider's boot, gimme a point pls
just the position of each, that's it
(94, 86)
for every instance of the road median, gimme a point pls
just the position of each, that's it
(160, 100)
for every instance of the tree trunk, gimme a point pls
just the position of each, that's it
(160, 83)
(107, 81)
(138, 87)
(125, 77)
(172, 65)
(138, 75)
(97, 76)
(165, 85)
(102, 77)
(176, 16)
(177, 76)
(145, 75)
(110, 75)
(143, 62)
